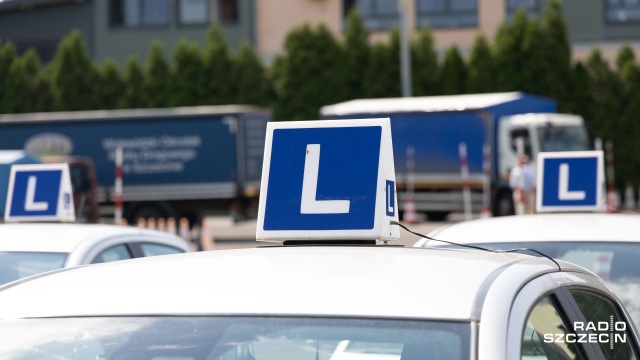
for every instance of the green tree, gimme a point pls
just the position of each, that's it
(158, 83)
(454, 72)
(580, 100)
(481, 68)
(311, 73)
(7, 57)
(357, 55)
(424, 65)
(607, 95)
(74, 74)
(625, 152)
(218, 68)
(556, 55)
(383, 72)
(510, 55)
(111, 89)
(42, 94)
(32, 61)
(251, 83)
(188, 67)
(134, 94)
(18, 88)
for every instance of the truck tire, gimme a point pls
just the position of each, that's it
(437, 215)
(504, 204)
(146, 210)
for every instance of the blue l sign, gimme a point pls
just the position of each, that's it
(39, 192)
(570, 181)
(35, 193)
(323, 178)
(328, 180)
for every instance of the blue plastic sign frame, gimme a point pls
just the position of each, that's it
(570, 181)
(328, 180)
(40, 192)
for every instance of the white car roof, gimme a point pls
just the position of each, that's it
(64, 238)
(382, 281)
(542, 227)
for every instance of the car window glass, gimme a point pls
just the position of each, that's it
(118, 252)
(614, 337)
(17, 265)
(543, 329)
(149, 249)
(234, 338)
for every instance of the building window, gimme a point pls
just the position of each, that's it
(622, 11)
(193, 12)
(532, 7)
(447, 13)
(138, 13)
(376, 14)
(228, 11)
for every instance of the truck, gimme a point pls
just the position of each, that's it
(431, 128)
(177, 162)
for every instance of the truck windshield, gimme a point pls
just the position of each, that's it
(563, 138)
(17, 265)
(231, 337)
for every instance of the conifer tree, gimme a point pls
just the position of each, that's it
(158, 83)
(42, 94)
(111, 89)
(454, 72)
(424, 65)
(7, 57)
(312, 73)
(556, 54)
(135, 96)
(218, 68)
(481, 69)
(357, 55)
(74, 74)
(188, 68)
(251, 84)
(18, 88)
(509, 53)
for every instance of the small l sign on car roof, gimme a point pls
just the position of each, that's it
(40, 192)
(570, 181)
(328, 180)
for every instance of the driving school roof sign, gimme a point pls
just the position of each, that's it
(329, 179)
(39, 192)
(570, 181)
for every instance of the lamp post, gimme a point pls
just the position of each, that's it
(405, 55)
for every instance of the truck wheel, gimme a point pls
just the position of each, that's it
(437, 215)
(155, 210)
(504, 206)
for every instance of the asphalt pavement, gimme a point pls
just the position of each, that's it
(226, 234)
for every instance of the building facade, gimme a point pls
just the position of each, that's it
(120, 28)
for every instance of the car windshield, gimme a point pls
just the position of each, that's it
(229, 337)
(17, 265)
(618, 263)
(563, 138)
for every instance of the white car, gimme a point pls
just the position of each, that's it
(304, 302)
(607, 244)
(32, 248)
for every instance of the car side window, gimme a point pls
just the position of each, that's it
(117, 252)
(604, 322)
(542, 328)
(149, 249)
